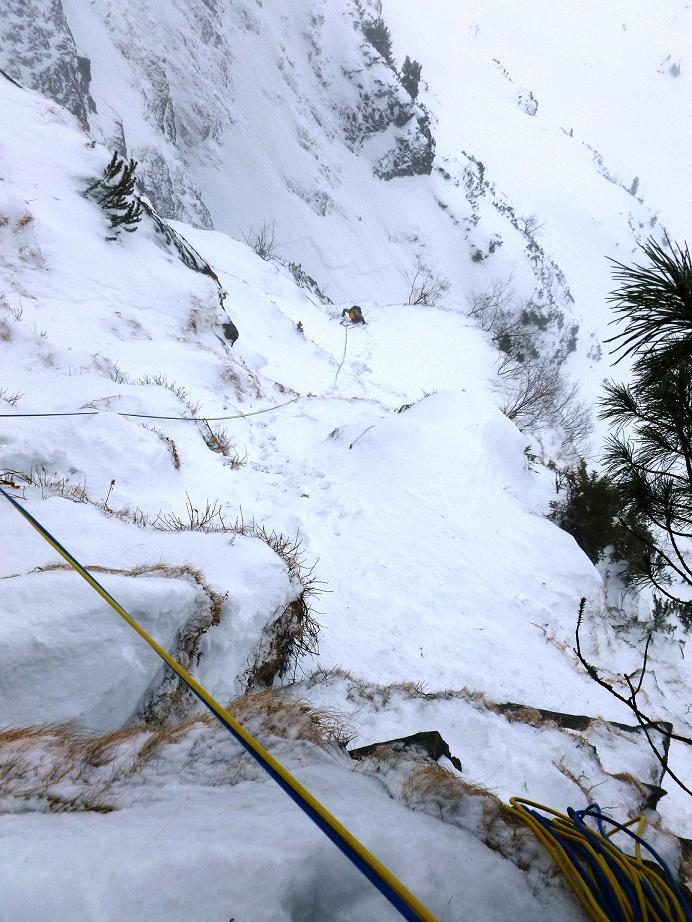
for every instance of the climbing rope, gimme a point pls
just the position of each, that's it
(611, 885)
(343, 359)
(194, 419)
(394, 891)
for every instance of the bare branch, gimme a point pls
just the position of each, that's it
(262, 240)
(427, 286)
(631, 702)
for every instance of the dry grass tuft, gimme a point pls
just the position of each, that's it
(159, 380)
(209, 518)
(8, 397)
(381, 696)
(218, 440)
(48, 484)
(242, 380)
(172, 447)
(16, 312)
(291, 718)
(432, 781)
(434, 789)
(525, 715)
(162, 736)
(294, 633)
(285, 640)
(103, 750)
(35, 760)
(193, 320)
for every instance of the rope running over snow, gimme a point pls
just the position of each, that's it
(194, 419)
(389, 886)
(343, 359)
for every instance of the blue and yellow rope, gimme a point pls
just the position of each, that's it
(402, 899)
(611, 885)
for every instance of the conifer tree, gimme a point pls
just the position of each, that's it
(377, 33)
(590, 509)
(115, 193)
(649, 458)
(410, 77)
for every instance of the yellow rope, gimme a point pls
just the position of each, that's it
(389, 885)
(632, 869)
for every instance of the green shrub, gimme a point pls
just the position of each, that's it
(592, 511)
(587, 511)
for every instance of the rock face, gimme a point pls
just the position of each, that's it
(413, 154)
(383, 106)
(290, 114)
(190, 83)
(38, 49)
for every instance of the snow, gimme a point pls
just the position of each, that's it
(447, 591)
(509, 754)
(108, 687)
(249, 851)
(599, 72)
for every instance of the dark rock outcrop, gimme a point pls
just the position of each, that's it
(38, 49)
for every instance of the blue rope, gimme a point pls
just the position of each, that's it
(596, 880)
(587, 867)
(595, 811)
(384, 888)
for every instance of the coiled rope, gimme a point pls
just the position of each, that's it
(611, 886)
(397, 894)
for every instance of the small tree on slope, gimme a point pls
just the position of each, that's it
(410, 77)
(377, 33)
(589, 510)
(115, 193)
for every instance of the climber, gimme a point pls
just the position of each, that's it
(354, 314)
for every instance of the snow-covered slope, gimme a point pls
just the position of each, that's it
(283, 115)
(613, 80)
(579, 114)
(254, 113)
(448, 595)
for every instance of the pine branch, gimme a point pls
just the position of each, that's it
(656, 303)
